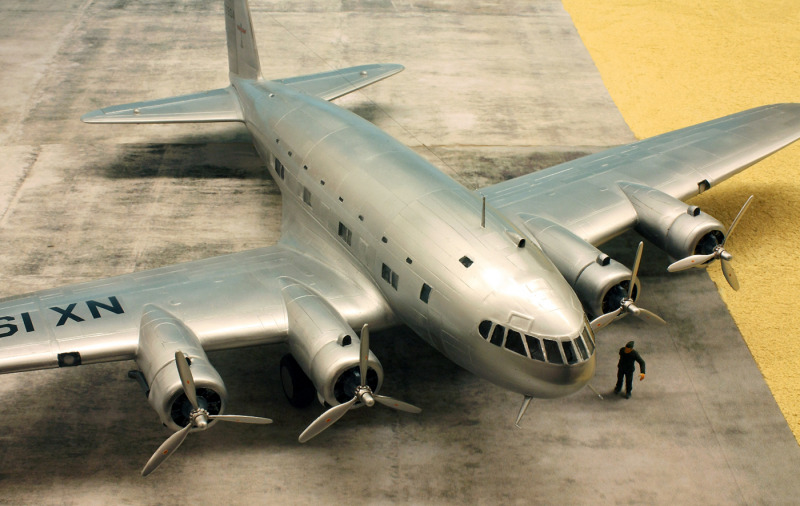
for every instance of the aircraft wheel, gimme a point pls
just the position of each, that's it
(296, 385)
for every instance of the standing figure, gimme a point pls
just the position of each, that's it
(626, 368)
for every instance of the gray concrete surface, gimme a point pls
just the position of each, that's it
(490, 91)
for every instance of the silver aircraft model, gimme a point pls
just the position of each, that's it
(506, 281)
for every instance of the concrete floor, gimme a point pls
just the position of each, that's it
(489, 92)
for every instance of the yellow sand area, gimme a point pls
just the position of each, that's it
(673, 63)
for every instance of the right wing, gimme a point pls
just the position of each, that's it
(228, 302)
(586, 197)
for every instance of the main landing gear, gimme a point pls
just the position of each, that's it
(297, 386)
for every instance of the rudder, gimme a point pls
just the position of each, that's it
(242, 52)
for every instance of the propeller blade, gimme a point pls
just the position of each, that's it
(395, 404)
(689, 262)
(605, 319)
(635, 270)
(326, 419)
(364, 356)
(166, 449)
(730, 275)
(736, 220)
(240, 419)
(185, 374)
(648, 316)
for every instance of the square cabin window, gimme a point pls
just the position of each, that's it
(345, 233)
(425, 293)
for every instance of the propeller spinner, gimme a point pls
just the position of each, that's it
(363, 394)
(627, 305)
(719, 252)
(199, 418)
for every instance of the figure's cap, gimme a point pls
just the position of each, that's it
(629, 344)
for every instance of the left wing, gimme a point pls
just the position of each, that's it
(227, 302)
(585, 197)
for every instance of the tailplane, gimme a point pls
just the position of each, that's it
(243, 59)
(243, 63)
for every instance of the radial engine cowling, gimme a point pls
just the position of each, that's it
(160, 336)
(678, 229)
(324, 345)
(599, 282)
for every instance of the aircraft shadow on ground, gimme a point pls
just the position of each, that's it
(87, 418)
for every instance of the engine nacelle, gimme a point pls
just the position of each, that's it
(678, 229)
(324, 345)
(599, 281)
(160, 336)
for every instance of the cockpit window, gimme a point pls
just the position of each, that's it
(498, 334)
(582, 348)
(587, 336)
(569, 352)
(484, 328)
(535, 347)
(553, 352)
(561, 351)
(514, 342)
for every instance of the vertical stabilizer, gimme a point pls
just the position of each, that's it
(242, 52)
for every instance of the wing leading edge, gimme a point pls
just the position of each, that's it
(228, 302)
(585, 197)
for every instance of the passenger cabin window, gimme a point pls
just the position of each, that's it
(553, 352)
(307, 196)
(389, 276)
(279, 170)
(345, 234)
(465, 261)
(425, 293)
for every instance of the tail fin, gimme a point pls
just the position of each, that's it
(242, 52)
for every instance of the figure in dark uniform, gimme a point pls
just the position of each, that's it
(626, 367)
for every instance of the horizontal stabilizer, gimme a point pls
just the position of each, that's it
(204, 107)
(337, 83)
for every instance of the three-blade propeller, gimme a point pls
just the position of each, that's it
(627, 306)
(719, 252)
(363, 394)
(199, 418)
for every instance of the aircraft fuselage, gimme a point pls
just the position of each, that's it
(473, 291)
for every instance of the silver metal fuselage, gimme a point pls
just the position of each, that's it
(353, 195)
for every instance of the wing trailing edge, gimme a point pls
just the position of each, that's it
(205, 107)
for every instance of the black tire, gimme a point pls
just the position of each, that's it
(297, 386)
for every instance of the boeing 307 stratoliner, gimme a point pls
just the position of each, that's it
(506, 281)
